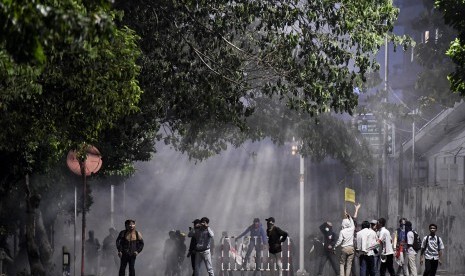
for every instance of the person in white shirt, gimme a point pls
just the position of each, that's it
(387, 252)
(346, 241)
(374, 227)
(411, 253)
(431, 250)
(366, 243)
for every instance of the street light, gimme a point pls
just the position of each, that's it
(295, 149)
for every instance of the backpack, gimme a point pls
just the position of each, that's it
(416, 241)
(437, 239)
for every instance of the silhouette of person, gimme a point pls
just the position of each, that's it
(92, 251)
(314, 253)
(181, 249)
(109, 253)
(192, 244)
(170, 254)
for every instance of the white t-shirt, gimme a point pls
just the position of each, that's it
(385, 238)
(410, 240)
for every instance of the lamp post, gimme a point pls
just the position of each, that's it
(301, 270)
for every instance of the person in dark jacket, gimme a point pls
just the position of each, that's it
(203, 237)
(170, 255)
(110, 257)
(129, 244)
(276, 236)
(329, 253)
(257, 240)
(92, 253)
(191, 250)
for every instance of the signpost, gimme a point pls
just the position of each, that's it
(84, 167)
(372, 131)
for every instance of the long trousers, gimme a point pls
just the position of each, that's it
(431, 266)
(206, 258)
(258, 254)
(193, 263)
(331, 257)
(367, 265)
(389, 265)
(125, 260)
(345, 261)
(412, 264)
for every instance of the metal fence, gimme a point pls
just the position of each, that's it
(248, 254)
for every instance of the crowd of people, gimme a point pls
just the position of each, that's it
(370, 247)
(375, 249)
(202, 247)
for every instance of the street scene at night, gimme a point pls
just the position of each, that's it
(232, 138)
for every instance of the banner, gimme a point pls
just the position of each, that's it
(349, 195)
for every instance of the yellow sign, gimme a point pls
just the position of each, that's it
(349, 195)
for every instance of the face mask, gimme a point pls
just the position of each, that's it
(327, 229)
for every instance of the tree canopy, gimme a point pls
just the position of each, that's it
(68, 73)
(207, 64)
(453, 16)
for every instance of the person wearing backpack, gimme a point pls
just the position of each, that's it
(129, 244)
(411, 250)
(400, 248)
(431, 251)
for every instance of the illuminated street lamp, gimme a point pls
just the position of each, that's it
(295, 150)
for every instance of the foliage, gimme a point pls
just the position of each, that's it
(73, 77)
(453, 16)
(432, 86)
(69, 74)
(320, 137)
(207, 65)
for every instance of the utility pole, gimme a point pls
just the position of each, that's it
(301, 271)
(400, 206)
(413, 149)
(384, 174)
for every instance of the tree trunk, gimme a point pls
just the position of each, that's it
(45, 249)
(37, 269)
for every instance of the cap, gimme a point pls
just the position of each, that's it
(374, 221)
(270, 219)
(196, 221)
(256, 220)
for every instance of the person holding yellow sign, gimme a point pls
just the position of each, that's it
(346, 241)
